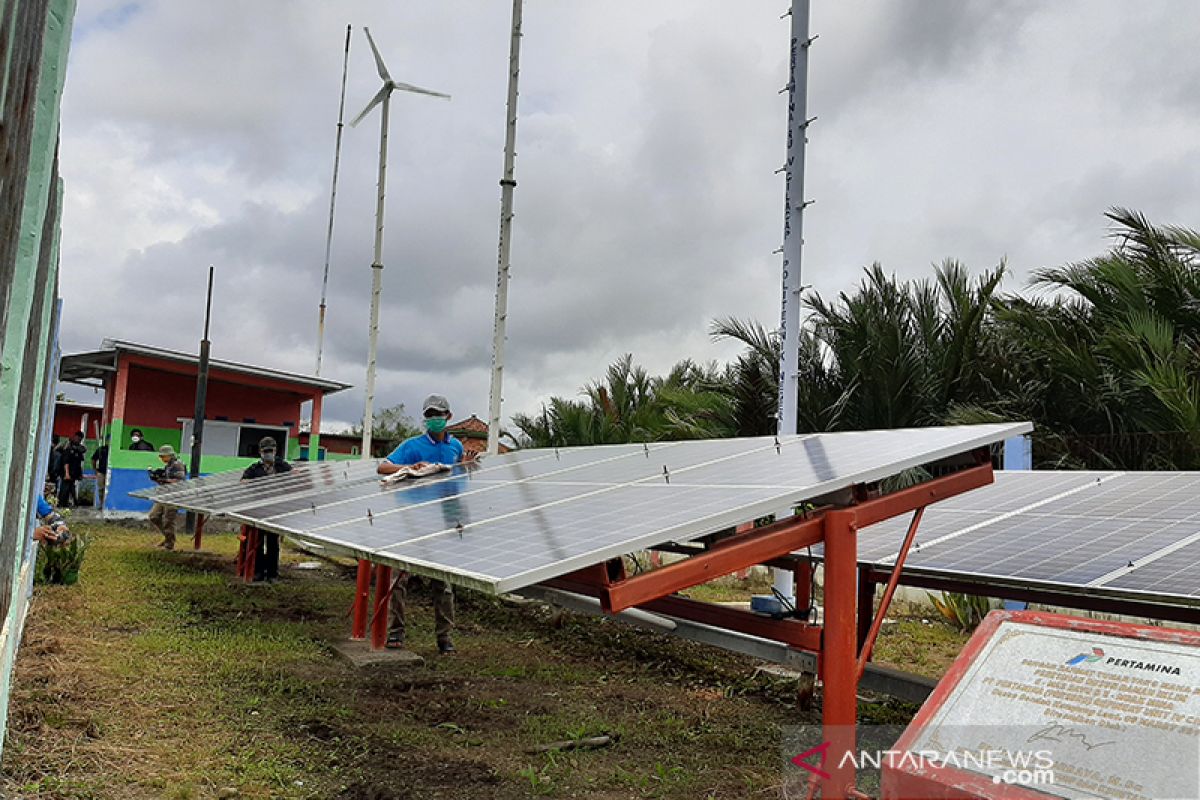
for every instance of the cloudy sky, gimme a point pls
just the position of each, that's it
(647, 205)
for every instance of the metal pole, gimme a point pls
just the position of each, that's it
(362, 595)
(793, 221)
(337, 156)
(793, 243)
(376, 282)
(383, 597)
(201, 397)
(507, 185)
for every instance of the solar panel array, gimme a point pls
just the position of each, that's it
(1127, 533)
(523, 517)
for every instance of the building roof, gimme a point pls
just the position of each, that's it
(66, 403)
(85, 368)
(471, 427)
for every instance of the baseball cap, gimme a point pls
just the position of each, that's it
(436, 402)
(266, 443)
(166, 450)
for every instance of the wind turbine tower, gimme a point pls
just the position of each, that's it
(384, 97)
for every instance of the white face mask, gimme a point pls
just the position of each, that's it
(136, 438)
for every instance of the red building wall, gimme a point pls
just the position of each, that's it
(68, 419)
(158, 399)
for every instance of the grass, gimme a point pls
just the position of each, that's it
(161, 676)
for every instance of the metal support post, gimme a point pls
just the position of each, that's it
(362, 597)
(199, 537)
(803, 572)
(243, 536)
(383, 596)
(840, 653)
(252, 536)
(866, 606)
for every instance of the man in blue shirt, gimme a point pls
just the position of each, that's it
(435, 446)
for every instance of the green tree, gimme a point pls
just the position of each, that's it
(389, 427)
(1107, 361)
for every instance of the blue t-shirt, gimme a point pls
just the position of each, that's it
(43, 508)
(423, 448)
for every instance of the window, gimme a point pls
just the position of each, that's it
(233, 438)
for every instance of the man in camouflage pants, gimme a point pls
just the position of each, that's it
(163, 517)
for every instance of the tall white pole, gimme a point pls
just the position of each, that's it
(793, 221)
(507, 185)
(793, 244)
(337, 156)
(376, 280)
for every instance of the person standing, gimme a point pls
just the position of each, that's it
(266, 559)
(433, 446)
(72, 469)
(100, 464)
(163, 517)
(138, 442)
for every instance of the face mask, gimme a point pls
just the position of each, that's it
(268, 456)
(136, 438)
(435, 424)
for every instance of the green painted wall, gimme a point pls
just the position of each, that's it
(33, 72)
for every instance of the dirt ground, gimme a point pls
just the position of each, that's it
(161, 676)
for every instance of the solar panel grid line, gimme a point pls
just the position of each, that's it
(604, 488)
(424, 483)
(230, 480)
(216, 499)
(1173, 573)
(1011, 490)
(1042, 552)
(242, 496)
(1146, 561)
(683, 528)
(1006, 515)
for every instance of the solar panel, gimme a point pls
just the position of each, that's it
(522, 517)
(1173, 571)
(1011, 492)
(1105, 530)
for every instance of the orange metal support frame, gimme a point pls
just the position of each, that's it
(841, 658)
(247, 552)
(841, 661)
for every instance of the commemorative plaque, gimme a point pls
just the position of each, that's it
(1044, 705)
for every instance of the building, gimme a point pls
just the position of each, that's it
(154, 390)
(473, 433)
(341, 446)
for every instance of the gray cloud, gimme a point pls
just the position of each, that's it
(647, 201)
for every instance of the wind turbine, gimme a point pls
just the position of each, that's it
(384, 96)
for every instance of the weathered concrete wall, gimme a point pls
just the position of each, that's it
(34, 40)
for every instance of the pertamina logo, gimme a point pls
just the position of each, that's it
(1122, 663)
(1095, 656)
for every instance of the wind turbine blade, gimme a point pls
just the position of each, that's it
(408, 87)
(383, 73)
(376, 100)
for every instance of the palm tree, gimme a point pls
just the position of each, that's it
(1109, 358)
(630, 405)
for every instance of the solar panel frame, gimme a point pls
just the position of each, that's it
(828, 462)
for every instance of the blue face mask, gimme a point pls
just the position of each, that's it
(435, 424)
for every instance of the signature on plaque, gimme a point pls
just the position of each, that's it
(1061, 733)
